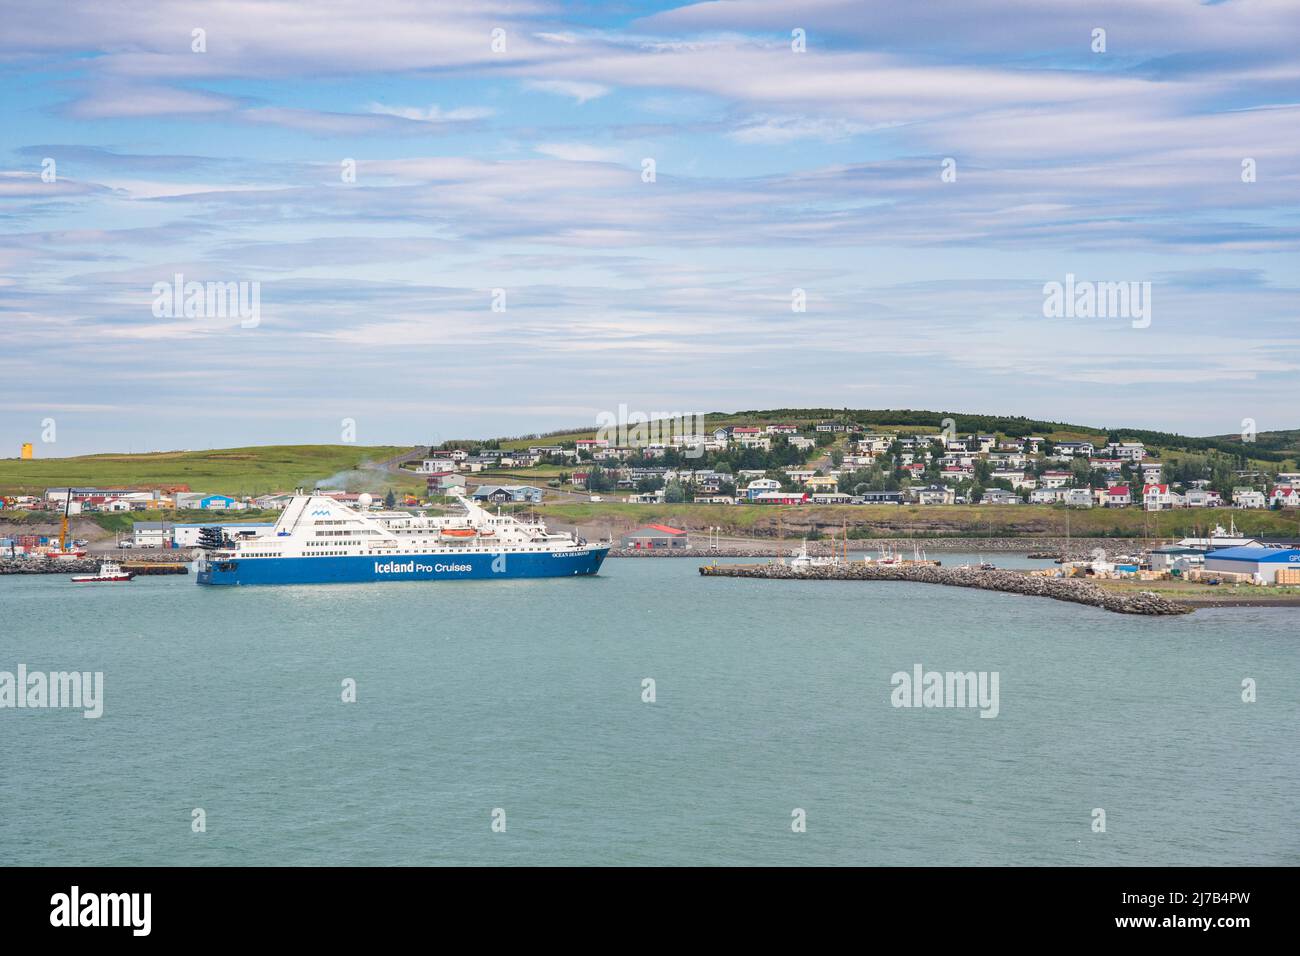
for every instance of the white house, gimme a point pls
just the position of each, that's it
(761, 486)
(1000, 496)
(431, 465)
(876, 444)
(1248, 498)
(1017, 478)
(1074, 448)
(1127, 450)
(936, 495)
(1160, 498)
(1078, 497)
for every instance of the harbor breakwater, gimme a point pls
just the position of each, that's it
(48, 566)
(1073, 549)
(89, 565)
(1076, 590)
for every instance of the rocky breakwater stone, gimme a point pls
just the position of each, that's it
(1075, 590)
(47, 566)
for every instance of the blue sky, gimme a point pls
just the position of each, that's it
(521, 170)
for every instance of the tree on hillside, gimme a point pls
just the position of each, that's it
(1080, 472)
(599, 480)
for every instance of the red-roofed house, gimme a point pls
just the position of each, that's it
(1286, 497)
(654, 536)
(1118, 496)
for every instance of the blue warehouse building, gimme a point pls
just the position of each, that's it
(1262, 563)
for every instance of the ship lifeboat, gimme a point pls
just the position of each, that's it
(458, 532)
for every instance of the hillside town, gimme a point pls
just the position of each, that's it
(777, 463)
(833, 463)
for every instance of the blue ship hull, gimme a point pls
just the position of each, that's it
(406, 567)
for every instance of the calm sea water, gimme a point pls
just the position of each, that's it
(527, 696)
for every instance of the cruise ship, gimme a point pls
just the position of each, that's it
(321, 541)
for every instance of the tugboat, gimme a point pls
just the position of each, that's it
(109, 572)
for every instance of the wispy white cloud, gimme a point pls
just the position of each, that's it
(582, 92)
(120, 101)
(817, 170)
(787, 129)
(434, 113)
(579, 152)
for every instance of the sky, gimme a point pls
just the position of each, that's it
(448, 214)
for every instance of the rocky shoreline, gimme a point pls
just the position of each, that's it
(1075, 590)
(1046, 548)
(165, 562)
(48, 566)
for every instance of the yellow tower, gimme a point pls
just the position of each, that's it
(27, 451)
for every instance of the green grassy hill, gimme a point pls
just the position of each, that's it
(234, 471)
(263, 469)
(1275, 449)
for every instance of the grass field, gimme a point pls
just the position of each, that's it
(1188, 592)
(232, 471)
(941, 521)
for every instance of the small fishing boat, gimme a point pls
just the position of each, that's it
(802, 559)
(109, 573)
